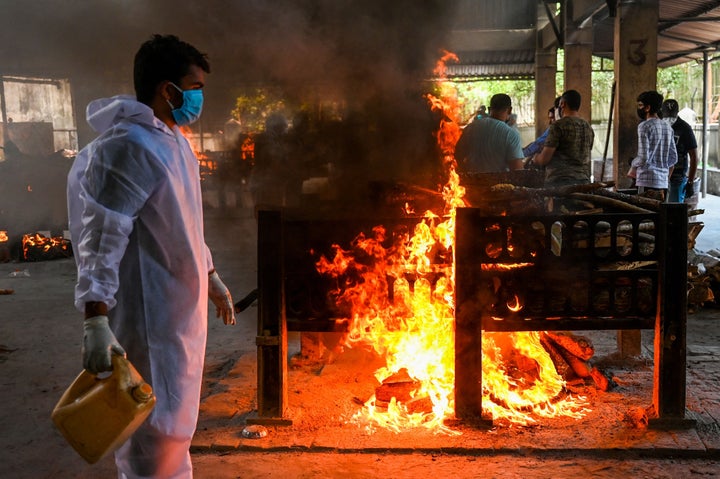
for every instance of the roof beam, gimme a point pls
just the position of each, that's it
(687, 40)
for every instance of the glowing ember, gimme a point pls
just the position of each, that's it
(3, 236)
(37, 247)
(401, 300)
(207, 164)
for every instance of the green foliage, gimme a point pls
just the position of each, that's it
(255, 105)
(473, 94)
(683, 83)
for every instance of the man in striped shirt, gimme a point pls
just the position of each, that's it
(656, 154)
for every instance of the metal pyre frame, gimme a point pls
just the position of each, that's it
(569, 272)
(575, 272)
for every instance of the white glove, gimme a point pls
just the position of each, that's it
(99, 344)
(220, 296)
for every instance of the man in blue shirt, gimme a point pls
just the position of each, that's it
(488, 145)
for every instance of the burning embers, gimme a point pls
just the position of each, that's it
(38, 247)
(400, 300)
(4, 247)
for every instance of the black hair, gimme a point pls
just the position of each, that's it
(572, 99)
(500, 101)
(164, 58)
(652, 99)
(670, 108)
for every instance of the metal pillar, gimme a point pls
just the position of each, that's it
(669, 379)
(705, 129)
(271, 338)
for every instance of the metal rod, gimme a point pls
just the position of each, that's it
(609, 128)
(706, 112)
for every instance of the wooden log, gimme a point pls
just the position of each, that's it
(610, 202)
(399, 386)
(421, 404)
(578, 346)
(694, 230)
(640, 201)
(561, 366)
(557, 191)
(580, 368)
(601, 381)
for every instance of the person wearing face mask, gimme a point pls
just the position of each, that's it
(656, 154)
(683, 174)
(144, 272)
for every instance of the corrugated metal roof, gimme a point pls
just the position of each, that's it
(686, 29)
(495, 65)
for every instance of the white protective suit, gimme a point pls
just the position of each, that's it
(136, 221)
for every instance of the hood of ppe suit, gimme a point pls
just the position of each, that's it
(103, 113)
(136, 220)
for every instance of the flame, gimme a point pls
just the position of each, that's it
(402, 307)
(43, 244)
(3, 236)
(207, 164)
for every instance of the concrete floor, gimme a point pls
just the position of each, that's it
(40, 336)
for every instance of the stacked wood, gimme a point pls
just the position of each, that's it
(597, 198)
(405, 390)
(571, 354)
(587, 198)
(703, 278)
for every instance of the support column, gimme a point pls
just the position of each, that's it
(635, 57)
(669, 379)
(578, 59)
(271, 339)
(545, 73)
(635, 48)
(545, 94)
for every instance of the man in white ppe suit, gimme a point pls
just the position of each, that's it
(144, 271)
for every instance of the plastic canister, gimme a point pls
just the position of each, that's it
(98, 414)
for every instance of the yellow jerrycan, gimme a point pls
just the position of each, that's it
(98, 414)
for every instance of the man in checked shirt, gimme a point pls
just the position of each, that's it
(656, 154)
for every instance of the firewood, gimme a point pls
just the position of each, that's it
(694, 230)
(601, 381)
(640, 201)
(578, 346)
(422, 404)
(561, 366)
(625, 265)
(6, 291)
(399, 386)
(612, 202)
(580, 368)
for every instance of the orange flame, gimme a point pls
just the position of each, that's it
(3, 236)
(402, 307)
(43, 244)
(207, 164)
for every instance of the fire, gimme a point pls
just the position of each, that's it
(3, 236)
(207, 164)
(37, 246)
(401, 300)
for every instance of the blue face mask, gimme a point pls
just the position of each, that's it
(191, 107)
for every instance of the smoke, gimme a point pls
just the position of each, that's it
(347, 49)
(371, 56)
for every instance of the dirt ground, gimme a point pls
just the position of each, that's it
(40, 337)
